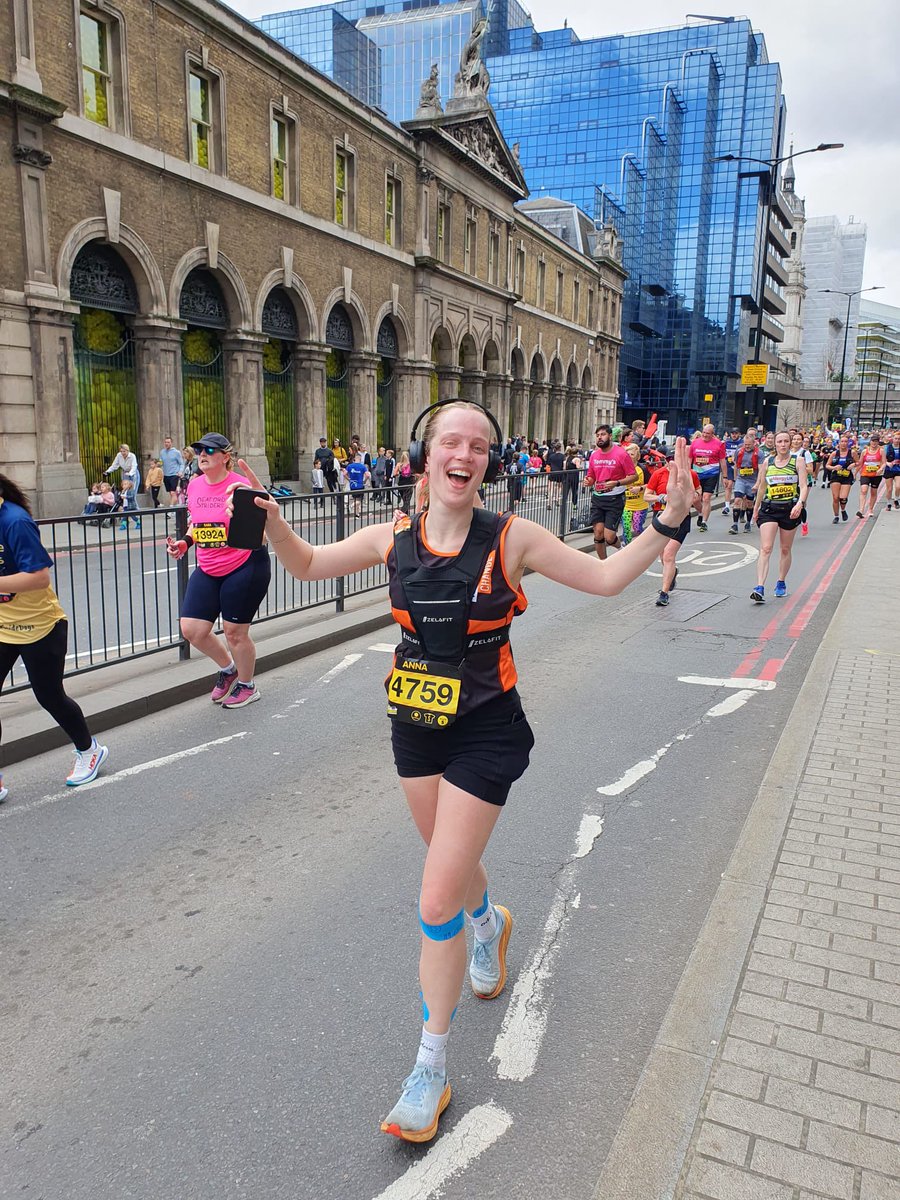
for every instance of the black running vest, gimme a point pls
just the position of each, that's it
(457, 608)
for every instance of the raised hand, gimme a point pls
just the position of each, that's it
(680, 488)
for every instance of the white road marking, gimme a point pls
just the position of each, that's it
(347, 661)
(478, 1129)
(590, 829)
(160, 571)
(525, 1023)
(755, 685)
(519, 1042)
(730, 704)
(700, 559)
(68, 794)
(383, 647)
(639, 770)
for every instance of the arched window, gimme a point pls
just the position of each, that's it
(105, 382)
(202, 305)
(339, 337)
(388, 347)
(279, 323)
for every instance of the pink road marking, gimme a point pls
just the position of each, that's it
(803, 617)
(749, 665)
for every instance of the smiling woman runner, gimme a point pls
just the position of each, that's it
(780, 500)
(460, 737)
(227, 580)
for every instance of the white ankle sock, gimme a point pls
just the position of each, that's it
(433, 1050)
(485, 926)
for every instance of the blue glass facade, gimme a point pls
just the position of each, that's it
(330, 42)
(626, 127)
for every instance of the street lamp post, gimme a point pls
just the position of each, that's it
(849, 295)
(771, 165)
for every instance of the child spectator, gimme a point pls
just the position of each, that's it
(318, 484)
(155, 480)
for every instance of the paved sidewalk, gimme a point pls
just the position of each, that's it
(804, 1098)
(776, 1075)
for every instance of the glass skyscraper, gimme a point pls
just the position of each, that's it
(627, 128)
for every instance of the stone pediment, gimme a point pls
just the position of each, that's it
(474, 137)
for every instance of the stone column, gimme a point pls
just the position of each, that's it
(412, 396)
(540, 404)
(363, 397)
(519, 393)
(59, 475)
(471, 386)
(18, 434)
(157, 361)
(449, 379)
(496, 398)
(572, 422)
(556, 424)
(244, 400)
(309, 399)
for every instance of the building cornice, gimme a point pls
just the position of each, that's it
(33, 104)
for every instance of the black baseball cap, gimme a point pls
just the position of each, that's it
(212, 441)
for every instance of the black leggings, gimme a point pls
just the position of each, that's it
(44, 662)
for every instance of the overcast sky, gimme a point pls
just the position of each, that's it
(840, 68)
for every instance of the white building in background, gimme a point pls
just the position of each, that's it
(833, 257)
(878, 363)
(791, 348)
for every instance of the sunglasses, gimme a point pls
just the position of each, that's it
(210, 450)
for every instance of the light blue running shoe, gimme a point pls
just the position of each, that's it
(780, 589)
(425, 1095)
(487, 969)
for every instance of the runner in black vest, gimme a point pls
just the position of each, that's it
(459, 735)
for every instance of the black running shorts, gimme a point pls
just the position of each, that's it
(709, 483)
(779, 513)
(236, 596)
(607, 510)
(483, 752)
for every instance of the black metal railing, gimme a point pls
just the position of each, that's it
(122, 593)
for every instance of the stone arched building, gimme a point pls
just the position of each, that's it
(202, 232)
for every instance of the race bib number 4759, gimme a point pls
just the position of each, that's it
(424, 693)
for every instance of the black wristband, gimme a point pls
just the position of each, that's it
(188, 540)
(665, 530)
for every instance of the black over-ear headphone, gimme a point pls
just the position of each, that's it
(417, 446)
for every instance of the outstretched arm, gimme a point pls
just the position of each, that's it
(365, 548)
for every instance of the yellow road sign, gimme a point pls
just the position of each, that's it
(754, 374)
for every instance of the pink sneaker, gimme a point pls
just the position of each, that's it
(244, 693)
(225, 683)
(804, 529)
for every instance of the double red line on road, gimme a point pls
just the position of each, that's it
(824, 572)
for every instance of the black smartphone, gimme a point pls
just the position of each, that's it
(248, 520)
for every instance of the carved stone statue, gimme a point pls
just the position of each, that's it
(472, 79)
(429, 96)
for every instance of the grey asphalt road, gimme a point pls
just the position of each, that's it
(209, 985)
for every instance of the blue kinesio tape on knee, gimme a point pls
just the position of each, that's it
(443, 933)
(479, 912)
